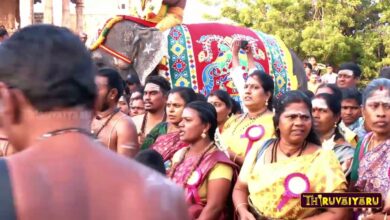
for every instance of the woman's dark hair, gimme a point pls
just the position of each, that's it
(336, 90)
(267, 83)
(224, 97)
(201, 97)
(207, 114)
(285, 100)
(236, 109)
(187, 94)
(151, 159)
(334, 104)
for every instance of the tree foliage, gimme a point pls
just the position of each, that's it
(334, 31)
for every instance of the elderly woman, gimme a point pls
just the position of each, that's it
(294, 156)
(371, 165)
(326, 113)
(205, 173)
(165, 138)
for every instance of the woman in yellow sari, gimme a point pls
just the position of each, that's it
(242, 132)
(264, 187)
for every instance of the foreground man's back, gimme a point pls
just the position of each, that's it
(47, 91)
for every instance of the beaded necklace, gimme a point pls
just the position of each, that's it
(275, 146)
(105, 123)
(251, 120)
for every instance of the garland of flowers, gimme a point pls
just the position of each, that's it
(151, 9)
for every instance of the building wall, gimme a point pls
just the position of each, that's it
(96, 13)
(9, 10)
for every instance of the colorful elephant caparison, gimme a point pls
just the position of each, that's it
(197, 55)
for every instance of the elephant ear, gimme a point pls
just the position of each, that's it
(151, 46)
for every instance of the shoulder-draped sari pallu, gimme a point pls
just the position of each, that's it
(344, 153)
(168, 144)
(373, 167)
(159, 129)
(214, 165)
(266, 182)
(233, 134)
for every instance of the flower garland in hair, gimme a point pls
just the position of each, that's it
(151, 9)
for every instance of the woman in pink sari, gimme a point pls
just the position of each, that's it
(371, 165)
(164, 138)
(206, 173)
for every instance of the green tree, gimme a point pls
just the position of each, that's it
(334, 31)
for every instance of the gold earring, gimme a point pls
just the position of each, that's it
(203, 135)
(266, 103)
(335, 125)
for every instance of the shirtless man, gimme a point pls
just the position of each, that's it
(112, 127)
(47, 94)
(155, 96)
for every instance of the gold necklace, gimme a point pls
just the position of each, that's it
(251, 119)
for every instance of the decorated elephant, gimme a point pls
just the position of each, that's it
(194, 55)
(165, 13)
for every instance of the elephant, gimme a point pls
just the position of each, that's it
(194, 55)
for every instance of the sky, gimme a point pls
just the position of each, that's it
(194, 11)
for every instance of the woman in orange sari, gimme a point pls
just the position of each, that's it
(206, 174)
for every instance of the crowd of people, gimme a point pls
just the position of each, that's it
(64, 121)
